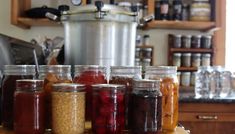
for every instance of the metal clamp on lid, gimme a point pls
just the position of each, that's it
(99, 14)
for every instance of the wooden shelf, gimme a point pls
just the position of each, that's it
(187, 69)
(184, 25)
(191, 50)
(37, 22)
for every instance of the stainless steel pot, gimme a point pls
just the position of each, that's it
(99, 34)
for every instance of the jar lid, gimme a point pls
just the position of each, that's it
(197, 36)
(147, 60)
(201, 0)
(185, 73)
(68, 87)
(147, 49)
(177, 54)
(187, 36)
(124, 4)
(137, 49)
(29, 85)
(177, 35)
(19, 69)
(108, 86)
(207, 36)
(206, 55)
(54, 68)
(196, 54)
(137, 59)
(145, 83)
(186, 54)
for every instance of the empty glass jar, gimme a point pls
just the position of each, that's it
(215, 82)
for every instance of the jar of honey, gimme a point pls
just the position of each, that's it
(170, 93)
(89, 75)
(29, 107)
(11, 74)
(53, 74)
(108, 108)
(145, 108)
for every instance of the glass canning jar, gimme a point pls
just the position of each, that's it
(200, 10)
(125, 75)
(11, 74)
(145, 106)
(29, 107)
(53, 74)
(226, 79)
(108, 104)
(68, 108)
(170, 93)
(215, 82)
(89, 75)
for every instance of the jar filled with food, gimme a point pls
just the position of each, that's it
(164, 9)
(177, 41)
(206, 59)
(29, 107)
(206, 41)
(196, 41)
(11, 74)
(146, 107)
(186, 59)
(89, 75)
(185, 79)
(193, 78)
(196, 59)
(200, 10)
(186, 41)
(177, 59)
(108, 104)
(125, 75)
(68, 108)
(146, 39)
(53, 74)
(170, 94)
(177, 7)
(146, 52)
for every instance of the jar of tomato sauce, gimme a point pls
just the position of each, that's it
(29, 107)
(108, 108)
(53, 74)
(11, 74)
(169, 87)
(89, 75)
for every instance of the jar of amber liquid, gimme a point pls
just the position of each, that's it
(89, 75)
(145, 108)
(125, 75)
(170, 94)
(11, 74)
(53, 74)
(68, 108)
(29, 107)
(108, 108)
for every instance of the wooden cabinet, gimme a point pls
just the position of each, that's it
(208, 118)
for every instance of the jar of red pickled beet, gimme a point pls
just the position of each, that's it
(11, 74)
(68, 108)
(125, 75)
(145, 108)
(108, 104)
(29, 107)
(89, 75)
(53, 74)
(169, 88)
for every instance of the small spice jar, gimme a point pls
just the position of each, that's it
(206, 41)
(185, 12)
(177, 59)
(206, 59)
(68, 108)
(186, 41)
(137, 62)
(11, 74)
(29, 107)
(193, 78)
(137, 52)
(108, 104)
(185, 79)
(146, 52)
(177, 10)
(200, 10)
(186, 59)
(164, 9)
(146, 39)
(146, 63)
(177, 41)
(146, 107)
(196, 41)
(196, 59)
(157, 10)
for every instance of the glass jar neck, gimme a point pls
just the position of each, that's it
(62, 69)
(93, 68)
(29, 85)
(68, 87)
(125, 71)
(19, 70)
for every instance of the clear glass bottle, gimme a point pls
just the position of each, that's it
(125, 75)
(11, 74)
(202, 82)
(170, 93)
(108, 104)
(89, 75)
(146, 107)
(215, 82)
(226, 84)
(29, 107)
(53, 74)
(68, 108)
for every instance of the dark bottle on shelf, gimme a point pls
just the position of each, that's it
(157, 10)
(164, 9)
(177, 8)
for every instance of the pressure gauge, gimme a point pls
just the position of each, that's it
(76, 2)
